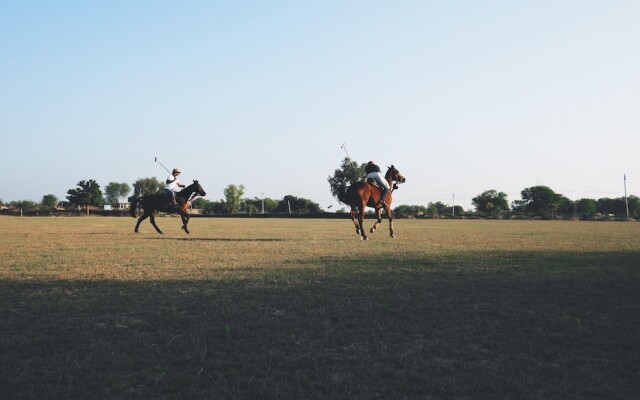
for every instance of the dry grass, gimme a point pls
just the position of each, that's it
(286, 308)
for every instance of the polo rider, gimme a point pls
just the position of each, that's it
(172, 185)
(373, 172)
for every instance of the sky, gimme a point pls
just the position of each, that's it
(461, 96)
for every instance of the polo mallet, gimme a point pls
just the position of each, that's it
(155, 159)
(165, 168)
(345, 149)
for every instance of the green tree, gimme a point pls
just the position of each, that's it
(210, 207)
(87, 194)
(298, 205)
(634, 206)
(199, 203)
(255, 205)
(518, 206)
(348, 173)
(49, 201)
(114, 191)
(490, 202)
(615, 207)
(457, 210)
(586, 207)
(432, 209)
(24, 205)
(410, 210)
(233, 197)
(215, 207)
(540, 200)
(438, 208)
(145, 186)
(618, 206)
(566, 207)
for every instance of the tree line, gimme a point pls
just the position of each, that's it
(536, 201)
(88, 193)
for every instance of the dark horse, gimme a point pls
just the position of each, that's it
(363, 194)
(161, 202)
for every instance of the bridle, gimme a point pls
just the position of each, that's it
(395, 182)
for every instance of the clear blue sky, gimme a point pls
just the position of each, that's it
(462, 96)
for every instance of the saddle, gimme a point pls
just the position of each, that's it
(373, 182)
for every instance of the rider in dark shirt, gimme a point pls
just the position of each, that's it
(373, 172)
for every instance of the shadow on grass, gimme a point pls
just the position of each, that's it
(211, 239)
(563, 325)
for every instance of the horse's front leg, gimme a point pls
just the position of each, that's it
(185, 221)
(390, 222)
(152, 218)
(378, 221)
(142, 218)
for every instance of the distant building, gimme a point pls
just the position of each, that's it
(119, 206)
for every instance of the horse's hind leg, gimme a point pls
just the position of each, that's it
(360, 221)
(353, 218)
(378, 222)
(153, 222)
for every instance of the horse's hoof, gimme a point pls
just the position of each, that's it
(392, 236)
(357, 231)
(372, 230)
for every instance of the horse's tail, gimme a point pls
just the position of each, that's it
(133, 206)
(342, 195)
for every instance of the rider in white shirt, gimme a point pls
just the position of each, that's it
(172, 185)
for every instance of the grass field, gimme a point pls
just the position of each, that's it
(292, 309)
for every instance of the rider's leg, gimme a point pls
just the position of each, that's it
(383, 196)
(172, 197)
(384, 188)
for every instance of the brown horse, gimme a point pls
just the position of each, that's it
(161, 202)
(360, 195)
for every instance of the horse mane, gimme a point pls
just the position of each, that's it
(188, 187)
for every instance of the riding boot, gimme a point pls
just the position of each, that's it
(174, 204)
(383, 196)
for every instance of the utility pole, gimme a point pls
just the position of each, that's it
(453, 207)
(263, 203)
(626, 201)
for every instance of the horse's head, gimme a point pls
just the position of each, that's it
(198, 189)
(395, 175)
